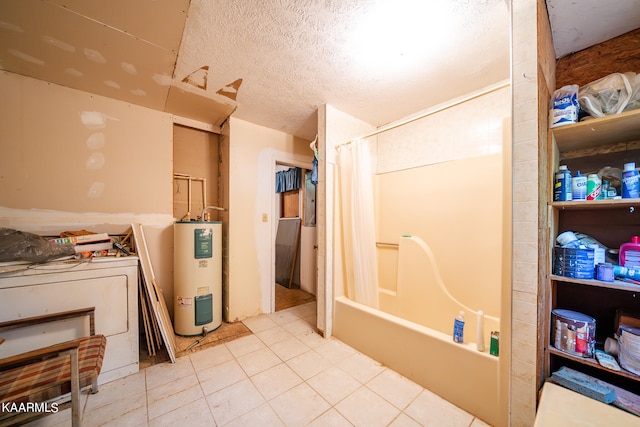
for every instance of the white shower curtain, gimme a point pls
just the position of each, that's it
(358, 226)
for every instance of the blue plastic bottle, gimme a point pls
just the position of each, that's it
(458, 328)
(630, 182)
(562, 191)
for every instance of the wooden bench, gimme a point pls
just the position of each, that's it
(30, 381)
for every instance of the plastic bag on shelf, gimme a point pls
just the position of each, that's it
(606, 96)
(634, 99)
(22, 246)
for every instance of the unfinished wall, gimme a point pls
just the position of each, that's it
(253, 153)
(195, 153)
(71, 151)
(72, 160)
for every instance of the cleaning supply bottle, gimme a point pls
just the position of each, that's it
(480, 331)
(562, 186)
(594, 187)
(579, 187)
(458, 327)
(630, 182)
(630, 253)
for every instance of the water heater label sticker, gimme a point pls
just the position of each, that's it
(203, 263)
(203, 241)
(185, 301)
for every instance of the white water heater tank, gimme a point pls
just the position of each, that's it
(197, 277)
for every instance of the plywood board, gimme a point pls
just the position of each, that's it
(156, 298)
(291, 204)
(287, 239)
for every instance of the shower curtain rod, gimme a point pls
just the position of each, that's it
(428, 113)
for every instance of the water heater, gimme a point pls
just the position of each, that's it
(197, 277)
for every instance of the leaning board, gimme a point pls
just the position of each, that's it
(154, 293)
(287, 239)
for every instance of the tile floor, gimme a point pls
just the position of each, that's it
(284, 374)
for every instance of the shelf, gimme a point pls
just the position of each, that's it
(597, 204)
(594, 133)
(618, 284)
(593, 363)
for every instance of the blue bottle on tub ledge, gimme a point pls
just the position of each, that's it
(458, 327)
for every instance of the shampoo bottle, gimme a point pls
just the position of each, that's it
(458, 327)
(480, 331)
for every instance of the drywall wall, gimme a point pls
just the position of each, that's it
(73, 160)
(71, 151)
(253, 153)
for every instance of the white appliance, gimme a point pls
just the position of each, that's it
(197, 277)
(109, 284)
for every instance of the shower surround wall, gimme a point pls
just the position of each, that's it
(443, 179)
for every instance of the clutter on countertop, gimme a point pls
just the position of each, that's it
(23, 247)
(18, 245)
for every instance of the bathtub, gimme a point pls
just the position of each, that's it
(412, 332)
(456, 372)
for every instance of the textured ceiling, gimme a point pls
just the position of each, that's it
(293, 55)
(273, 62)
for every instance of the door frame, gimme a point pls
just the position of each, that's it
(292, 161)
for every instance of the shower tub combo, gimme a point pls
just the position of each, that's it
(411, 335)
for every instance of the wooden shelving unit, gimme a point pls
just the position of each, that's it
(588, 146)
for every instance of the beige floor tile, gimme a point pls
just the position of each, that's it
(308, 364)
(169, 389)
(333, 384)
(283, 317)
(366, 408)
(360, 367)
(107, 414)
(430, 409)
(304, 310)
(178, 399)
(395, 388)
(275, 381)
(298, 327)
(274, 335)
(289, 348)
(331, 418)
(209, 357)
(194, 414)
(262, 416)
(312, 339)
(136, 418)
(258, 361)
(123, 388)
(259, 323)
(220, 376)
(167, 372)
(404, 420)
(245, 345)
(299, 406)
(335, 350)
(59, 419)
(234, 401)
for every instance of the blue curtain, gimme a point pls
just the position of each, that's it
(288, 180)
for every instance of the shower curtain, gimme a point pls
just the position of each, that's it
(358, 226)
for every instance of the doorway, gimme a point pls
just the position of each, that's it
(295, 245)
